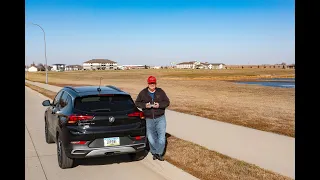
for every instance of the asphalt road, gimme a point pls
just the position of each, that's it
(41, 158)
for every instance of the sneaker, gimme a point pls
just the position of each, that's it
(154, 157)
(159, 157)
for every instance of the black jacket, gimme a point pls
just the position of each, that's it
(159, 96)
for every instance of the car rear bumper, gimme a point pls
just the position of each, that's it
(87, 152)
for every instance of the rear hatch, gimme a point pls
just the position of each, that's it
(112, 113)
(113, 120)
(110, 116)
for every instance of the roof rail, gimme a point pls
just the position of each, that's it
(70, 87)
(113, 87)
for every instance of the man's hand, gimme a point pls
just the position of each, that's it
(156, 105)
(148, 105)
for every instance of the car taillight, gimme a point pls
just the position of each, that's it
(78, 142)
(137, 114)
(139, 137)
(75, 118)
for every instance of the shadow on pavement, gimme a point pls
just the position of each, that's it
(116, 159)
(165, 148)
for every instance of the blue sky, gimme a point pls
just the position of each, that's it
(158, 32)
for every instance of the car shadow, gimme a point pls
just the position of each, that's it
(107, 160)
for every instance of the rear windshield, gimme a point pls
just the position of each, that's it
(104, 103)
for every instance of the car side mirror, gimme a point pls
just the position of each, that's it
(46, 103)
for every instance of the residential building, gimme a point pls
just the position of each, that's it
(188, 65)
(135, 66)
(32, 68)
(216, 66)
(99, 64)
(58, 67)
(73, 67)
(200, 65)
(156, 67)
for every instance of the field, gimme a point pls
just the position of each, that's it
(206, 93)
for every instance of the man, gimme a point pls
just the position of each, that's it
(153, 101)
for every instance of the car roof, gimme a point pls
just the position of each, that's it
(93, 90)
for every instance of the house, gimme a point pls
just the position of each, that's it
(188, 65)
(200, 65)
(135, 66)
(120, 68)
(99, 64)
(32, 68)
(73, 67)
(156, 67)
(291, 66)
(216, 66)
(58, 67)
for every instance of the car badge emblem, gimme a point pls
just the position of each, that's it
(111, 119)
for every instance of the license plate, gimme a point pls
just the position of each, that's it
(113, 141)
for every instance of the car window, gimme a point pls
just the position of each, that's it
(104, 103)
(56, 99)
(65, 100)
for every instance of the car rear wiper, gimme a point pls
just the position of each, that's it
(95, 110)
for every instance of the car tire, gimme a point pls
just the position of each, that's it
(63, 160)
(48, 136)
(138, 155)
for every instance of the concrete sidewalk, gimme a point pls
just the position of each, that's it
(266, 150)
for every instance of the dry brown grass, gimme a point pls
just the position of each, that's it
(204, 93)
(49, 94)
(201, 162)
(209, 165)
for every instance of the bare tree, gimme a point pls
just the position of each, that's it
(41, 67)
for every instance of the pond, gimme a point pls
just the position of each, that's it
(274, 82)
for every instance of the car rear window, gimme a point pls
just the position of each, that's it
(104, 103)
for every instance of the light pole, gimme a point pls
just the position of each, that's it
(45, 50)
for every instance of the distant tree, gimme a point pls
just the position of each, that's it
(145, 66)
(41, 67)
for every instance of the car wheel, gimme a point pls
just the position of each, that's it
(138, 155)
(63, 160)
(49, 138)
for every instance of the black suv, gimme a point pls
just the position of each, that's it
(93, 121)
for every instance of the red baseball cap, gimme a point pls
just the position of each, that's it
(152, 79)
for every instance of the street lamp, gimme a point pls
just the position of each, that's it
(45, 50)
